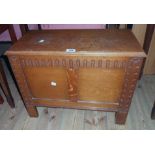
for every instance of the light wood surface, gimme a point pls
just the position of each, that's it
(139, 32)
(100, 87)
(65, 119)
(122, 26)
(150, 61)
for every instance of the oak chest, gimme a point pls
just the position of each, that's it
(83, 69)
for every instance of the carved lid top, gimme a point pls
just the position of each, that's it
(84, 42)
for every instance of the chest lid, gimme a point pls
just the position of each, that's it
(82, 42)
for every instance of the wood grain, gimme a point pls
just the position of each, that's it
(102, 42)
(100, 84)
(139, 31)
(150, 61)
(101, 75)
(72, 77)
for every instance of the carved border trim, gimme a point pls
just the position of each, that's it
(131, 77)
(22, 84)
(74, 63)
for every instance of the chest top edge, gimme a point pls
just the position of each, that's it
(90, 41)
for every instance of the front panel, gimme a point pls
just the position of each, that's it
(47, 83)
(79, 79)
(100, 85)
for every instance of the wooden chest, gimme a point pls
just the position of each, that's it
(83, 69)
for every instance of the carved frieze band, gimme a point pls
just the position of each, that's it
(74, 63)
(17, 69)
(131, 77)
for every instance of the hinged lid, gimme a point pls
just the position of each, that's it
(86, 42)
